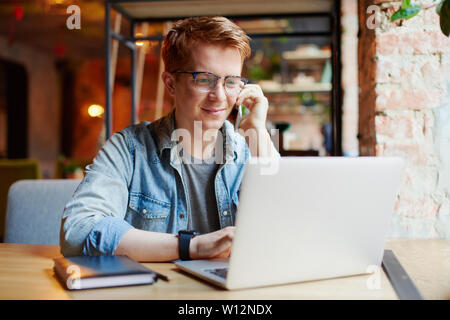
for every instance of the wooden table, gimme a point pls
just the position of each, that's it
(26, 272)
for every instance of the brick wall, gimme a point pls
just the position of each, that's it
(404, 69)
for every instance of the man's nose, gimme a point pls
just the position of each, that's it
(219, 91)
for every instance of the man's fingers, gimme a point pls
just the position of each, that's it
(229, 232)
(215, 244)
(223, 248)
(225, 254)
(250, 94)
(223, 244)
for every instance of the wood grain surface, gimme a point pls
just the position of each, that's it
(26, 272)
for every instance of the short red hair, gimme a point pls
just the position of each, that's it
(186, 34)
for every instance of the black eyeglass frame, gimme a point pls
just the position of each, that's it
(195, 73)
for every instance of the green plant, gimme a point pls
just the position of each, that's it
(256, 73)
(67, 165)
(408, 10)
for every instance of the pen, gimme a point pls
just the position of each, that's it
(161, 276)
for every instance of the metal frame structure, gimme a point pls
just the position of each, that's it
(129, 42)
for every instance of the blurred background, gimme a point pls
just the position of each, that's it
(54, 78)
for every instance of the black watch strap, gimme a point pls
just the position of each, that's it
(184, 242)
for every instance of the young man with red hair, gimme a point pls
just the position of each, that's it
(155, 197)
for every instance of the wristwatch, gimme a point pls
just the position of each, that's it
(184, 240)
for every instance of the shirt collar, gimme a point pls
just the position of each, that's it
(166, 125)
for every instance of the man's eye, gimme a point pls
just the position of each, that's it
(203, 80)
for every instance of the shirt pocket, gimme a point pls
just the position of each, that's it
(148, 213)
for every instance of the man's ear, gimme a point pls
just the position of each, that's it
(169, 82)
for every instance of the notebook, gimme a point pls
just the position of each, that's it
(88, 272)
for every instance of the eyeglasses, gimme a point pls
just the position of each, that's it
(207, 81)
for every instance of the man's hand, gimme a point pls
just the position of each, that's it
(216, 244)
(253, 125)
(253, 98)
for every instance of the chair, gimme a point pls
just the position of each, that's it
(35, 208)
(12, 170)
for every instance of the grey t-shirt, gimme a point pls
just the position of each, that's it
(199, 179)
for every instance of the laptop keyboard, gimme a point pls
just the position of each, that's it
(221, 272)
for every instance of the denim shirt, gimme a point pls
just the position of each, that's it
(135, 181)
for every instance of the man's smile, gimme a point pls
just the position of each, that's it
(214, 111)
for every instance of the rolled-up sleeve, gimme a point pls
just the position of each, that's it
(93, 220)
(104, 238)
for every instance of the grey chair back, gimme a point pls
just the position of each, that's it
(35, 208)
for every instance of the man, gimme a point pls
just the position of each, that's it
(137, 195)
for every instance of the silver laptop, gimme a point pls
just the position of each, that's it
(304, 219)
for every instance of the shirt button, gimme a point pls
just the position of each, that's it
(225, 213)
(144, 211)
(181, 216)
